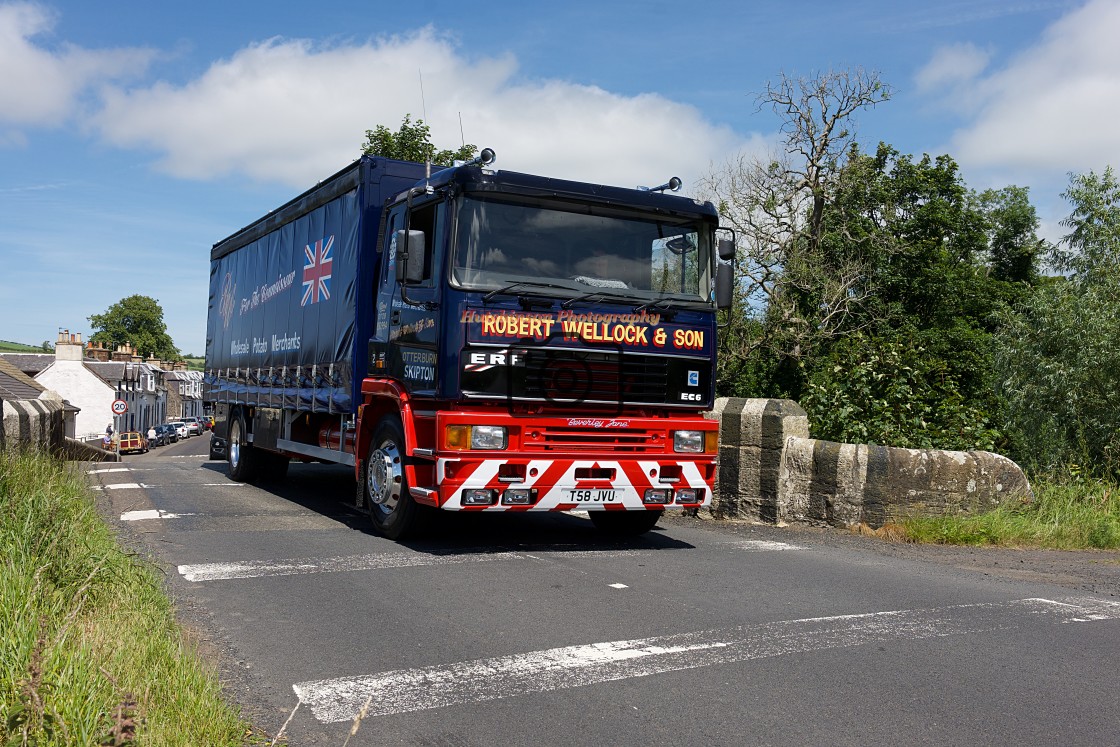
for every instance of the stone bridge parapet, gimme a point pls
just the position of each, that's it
(771, 471)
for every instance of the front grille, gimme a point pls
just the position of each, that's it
(571, 439)
(578, 376)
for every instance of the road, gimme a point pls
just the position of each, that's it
(530, 630)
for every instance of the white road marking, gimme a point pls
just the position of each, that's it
(381, 561)
(480, 680)
(105, 471)
(299, 566)
(765, 545)
(150, 514)
(619, 586)
(125, 486)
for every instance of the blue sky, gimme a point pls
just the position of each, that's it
(133, 136)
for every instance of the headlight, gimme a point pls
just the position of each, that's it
(691, 442)
(488, 437)
(464, 437)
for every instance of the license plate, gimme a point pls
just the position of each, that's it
(593, 496)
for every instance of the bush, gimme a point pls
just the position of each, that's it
(893, 393)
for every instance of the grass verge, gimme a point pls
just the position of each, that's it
(1068, 513)
(90, 652)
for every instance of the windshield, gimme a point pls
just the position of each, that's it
(596, 249)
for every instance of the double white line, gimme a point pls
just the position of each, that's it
(406, 690)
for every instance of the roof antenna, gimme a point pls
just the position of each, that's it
(424, 109)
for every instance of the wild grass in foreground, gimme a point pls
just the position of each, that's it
(90, 653)
(1069, 512)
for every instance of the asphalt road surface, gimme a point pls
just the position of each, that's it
(531, 630)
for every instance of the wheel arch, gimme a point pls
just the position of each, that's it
(382, 397)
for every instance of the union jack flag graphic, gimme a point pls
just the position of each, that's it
(317, 271)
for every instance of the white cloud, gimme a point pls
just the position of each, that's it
(1054, 108)
(40, 86)
(952, 65)
(294, 112)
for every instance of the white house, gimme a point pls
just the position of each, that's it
(69, 376)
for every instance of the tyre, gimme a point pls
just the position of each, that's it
(392, 512)
(242, 457)
(624, 523)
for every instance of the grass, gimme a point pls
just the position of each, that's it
(18, 347)
(90, 652)
(1067, 513)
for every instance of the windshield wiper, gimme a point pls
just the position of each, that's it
(507, 290)
(597, 295)
(663, 305)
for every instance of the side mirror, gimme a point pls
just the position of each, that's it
(726, 249)
(724, 283)
(411, 256)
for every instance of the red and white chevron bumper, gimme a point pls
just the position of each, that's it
(564, 484)
(552, 463)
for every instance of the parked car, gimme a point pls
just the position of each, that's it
(132, 441)
(180, 428)
(170, 435)
(208, 421)
(193, 425)
(155, 438)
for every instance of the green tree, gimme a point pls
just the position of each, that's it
(412, 142)
(1012, 224)
(1092, 248)
(1058, 360)
(922, 371)
(137, 320)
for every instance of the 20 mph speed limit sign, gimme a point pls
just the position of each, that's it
(120, 407)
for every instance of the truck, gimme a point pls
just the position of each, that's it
(472, 339)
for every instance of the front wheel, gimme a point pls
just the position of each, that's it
(624, 523)
(392, 512)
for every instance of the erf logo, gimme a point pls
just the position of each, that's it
(486, 361)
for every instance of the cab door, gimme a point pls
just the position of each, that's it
(407, 327)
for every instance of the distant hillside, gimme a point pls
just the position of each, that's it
(18, 347)
(195, 364)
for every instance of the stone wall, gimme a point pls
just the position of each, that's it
(35, 423)
(771, 471)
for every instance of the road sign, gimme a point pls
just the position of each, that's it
(120, 407)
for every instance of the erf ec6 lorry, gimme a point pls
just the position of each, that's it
(473, 340)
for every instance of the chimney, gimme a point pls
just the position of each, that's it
(123, 353)
(68, 347)
(97, 352)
